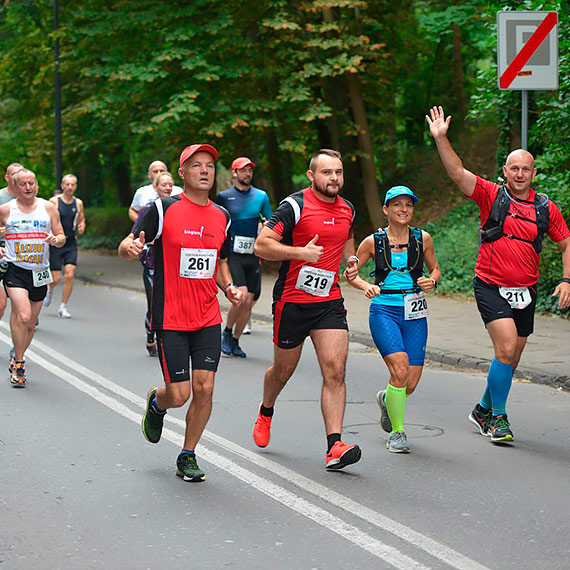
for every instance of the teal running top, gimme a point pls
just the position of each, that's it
(396, 280)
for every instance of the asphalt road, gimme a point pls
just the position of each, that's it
(82, 489)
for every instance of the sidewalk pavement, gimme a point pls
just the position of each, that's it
(457, 336)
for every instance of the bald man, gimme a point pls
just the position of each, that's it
(6, 195)
(514, 219)
(146, 194)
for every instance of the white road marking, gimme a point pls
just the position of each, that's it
(322, 517)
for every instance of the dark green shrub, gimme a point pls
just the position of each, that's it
(105, 227)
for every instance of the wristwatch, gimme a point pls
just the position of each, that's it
(565, 280)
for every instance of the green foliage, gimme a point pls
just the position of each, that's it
(550, 275)
(269, 79)
(105, 228)
(456, 240)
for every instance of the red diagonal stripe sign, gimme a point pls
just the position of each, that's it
(528, 50)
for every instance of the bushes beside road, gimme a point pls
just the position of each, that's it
(456, 239)
(105, 228)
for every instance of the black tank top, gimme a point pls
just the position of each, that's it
(67, 215)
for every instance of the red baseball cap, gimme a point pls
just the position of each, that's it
(241, 162)
(194, 148)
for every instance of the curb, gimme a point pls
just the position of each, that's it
(441, 356)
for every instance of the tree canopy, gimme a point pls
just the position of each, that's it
(271, 79)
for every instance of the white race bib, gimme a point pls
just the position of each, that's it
(315, 281)
(243, 244)
(415, 306)
(197, 263)
(42, 277)
(516, 297)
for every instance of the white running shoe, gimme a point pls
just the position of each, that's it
(64, 313)
(47, 298)
(247, 328)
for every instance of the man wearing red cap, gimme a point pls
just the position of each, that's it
(247, 205)
(191, 245)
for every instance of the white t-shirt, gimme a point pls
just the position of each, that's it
(146, 194)
(26, 234)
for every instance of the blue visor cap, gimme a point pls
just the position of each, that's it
(399, 191)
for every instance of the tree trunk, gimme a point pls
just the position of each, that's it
(122, 175)
(367, 162)
(459, 77)
(279, 189)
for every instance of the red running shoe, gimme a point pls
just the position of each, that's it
(342, 455)
(262, 429)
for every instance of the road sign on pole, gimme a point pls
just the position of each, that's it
(527, 50)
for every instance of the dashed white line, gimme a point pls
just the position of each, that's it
(285, 497)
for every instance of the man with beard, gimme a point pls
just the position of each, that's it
(247, 205)
(310, 232)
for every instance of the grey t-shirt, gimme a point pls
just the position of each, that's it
(4, 196)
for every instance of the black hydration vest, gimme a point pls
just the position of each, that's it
(383, 256)
(492, 229)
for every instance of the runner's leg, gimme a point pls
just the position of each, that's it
(69, 276)
(276, 376)
(200, 407)
(331, 346)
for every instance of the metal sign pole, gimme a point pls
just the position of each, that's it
(524, 119)
(57, 98)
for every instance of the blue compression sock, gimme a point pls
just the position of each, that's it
(499, 381)
(485, 401)
(190, 451)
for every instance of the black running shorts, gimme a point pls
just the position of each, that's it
(177, 348)
(492, 307)
(60, 256)
(246, 272)
(292, 322)
(19, 278)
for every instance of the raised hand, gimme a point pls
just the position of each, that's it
(437, 122)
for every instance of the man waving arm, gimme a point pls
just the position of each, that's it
(438, 126)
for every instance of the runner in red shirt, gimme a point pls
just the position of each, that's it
(310, 232)
(191, 243)
(506, 271)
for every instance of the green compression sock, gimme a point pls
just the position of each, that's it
(396, 406)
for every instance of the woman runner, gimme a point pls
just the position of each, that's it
(398, 309)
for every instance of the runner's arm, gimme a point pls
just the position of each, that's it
(563, 288)
(4, 212)
(350, 258)
(364, 253)
(438, 126)
(133, 214)
(268, 246)
(80, 217)
(56, 236)
(225, 283)
(429, 283)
